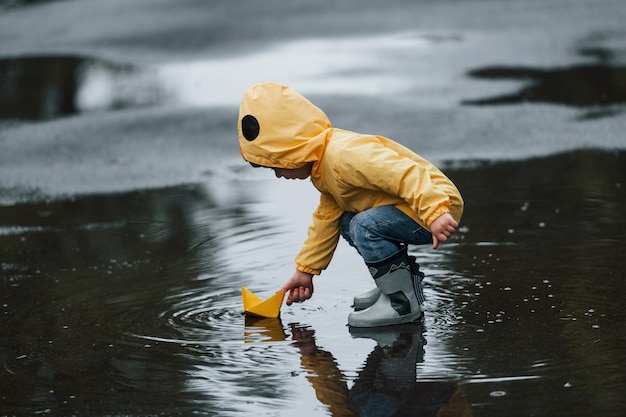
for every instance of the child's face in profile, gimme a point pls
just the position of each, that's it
(296, 173)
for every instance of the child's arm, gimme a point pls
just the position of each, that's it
(370, 165)
(442, 228)
(300, 287)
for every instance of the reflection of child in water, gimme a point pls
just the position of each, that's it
(387, 384)
(377, 194)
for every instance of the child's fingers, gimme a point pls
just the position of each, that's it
(304, 294)
(294, 296)
(435, 242)
(301, 294)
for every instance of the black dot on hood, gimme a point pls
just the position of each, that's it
(250, 127)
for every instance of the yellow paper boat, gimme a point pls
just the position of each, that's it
(262, 308)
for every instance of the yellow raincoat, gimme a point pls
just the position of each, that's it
(278, 128)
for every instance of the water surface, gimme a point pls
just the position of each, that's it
(129, 304)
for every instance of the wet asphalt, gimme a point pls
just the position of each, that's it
(129, 96)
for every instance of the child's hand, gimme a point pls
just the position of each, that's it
(300, 287)
(442, 228)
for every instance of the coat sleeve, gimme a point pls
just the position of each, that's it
(373, 166)
(323, 236)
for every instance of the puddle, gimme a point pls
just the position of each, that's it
(9, 4)
(43, 88)
(48, 87)
(599, 89)
(130, 303)
(373, 65)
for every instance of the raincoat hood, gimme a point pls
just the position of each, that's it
(278, 128)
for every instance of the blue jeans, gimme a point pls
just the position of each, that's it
(381, 232)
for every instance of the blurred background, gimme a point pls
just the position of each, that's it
(129, 221)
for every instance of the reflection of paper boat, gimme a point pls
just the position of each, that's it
(263, 329)
(262, 308)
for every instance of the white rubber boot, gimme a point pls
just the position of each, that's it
(365, 300)
(397, 302)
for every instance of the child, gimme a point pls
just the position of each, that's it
(377, 194)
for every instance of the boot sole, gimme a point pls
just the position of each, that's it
(371, 332)
(416, 316)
